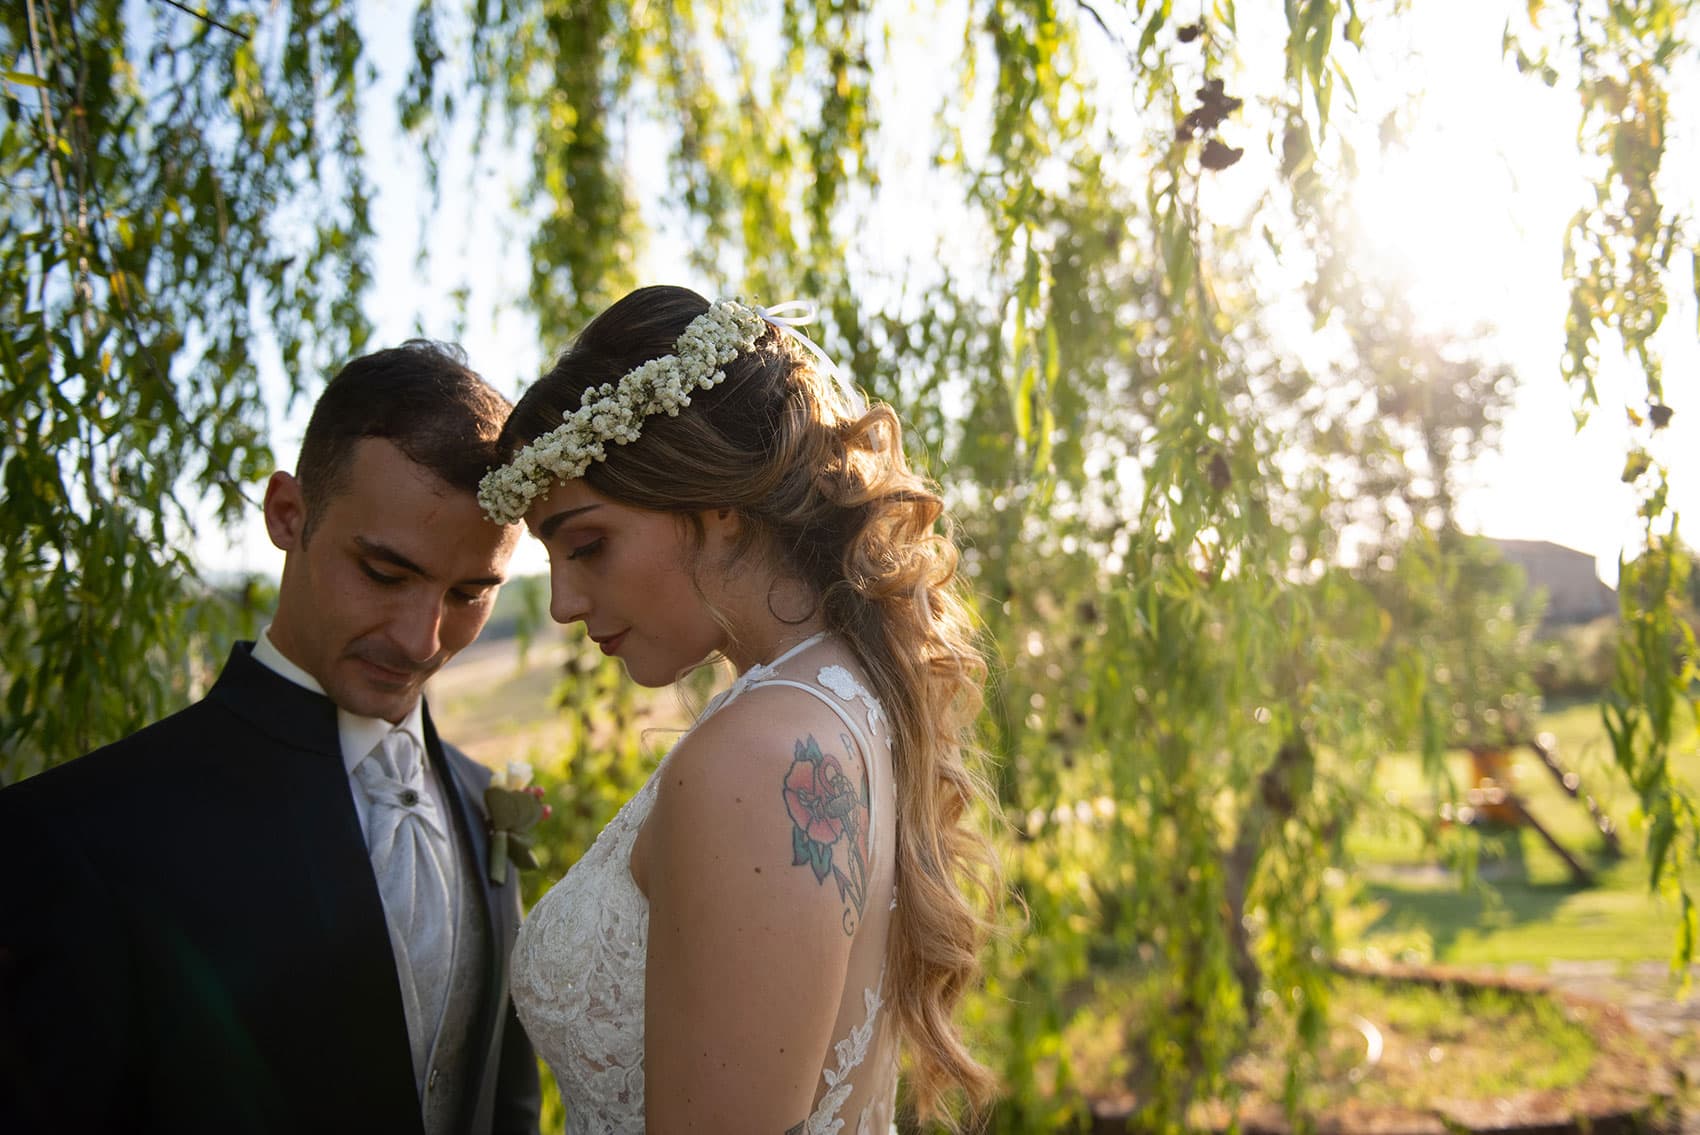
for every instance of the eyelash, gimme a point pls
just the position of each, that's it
(584, 551)
(460, 597)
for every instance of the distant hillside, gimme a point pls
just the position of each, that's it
(511, 604)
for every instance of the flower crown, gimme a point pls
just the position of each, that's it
(614, 412)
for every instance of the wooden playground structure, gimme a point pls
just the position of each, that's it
(1493, 800)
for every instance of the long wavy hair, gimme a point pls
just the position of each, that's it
(826, 490)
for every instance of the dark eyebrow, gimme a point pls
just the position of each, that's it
(390, 556)
(547, 528)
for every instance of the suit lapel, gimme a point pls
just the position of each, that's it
(462, 784)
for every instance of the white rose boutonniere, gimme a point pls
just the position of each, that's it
(514, 806)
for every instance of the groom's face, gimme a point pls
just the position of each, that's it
(397, 573)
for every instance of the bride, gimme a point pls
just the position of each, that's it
(778, 913)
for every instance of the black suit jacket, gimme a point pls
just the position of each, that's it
(191, 937)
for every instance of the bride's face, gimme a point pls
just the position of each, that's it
(626, 574)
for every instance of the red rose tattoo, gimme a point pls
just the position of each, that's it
(828, 814)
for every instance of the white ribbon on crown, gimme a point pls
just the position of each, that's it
(791, 315)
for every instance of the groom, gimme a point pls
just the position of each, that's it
(272, 912)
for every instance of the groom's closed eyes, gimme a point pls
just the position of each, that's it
(386, 566)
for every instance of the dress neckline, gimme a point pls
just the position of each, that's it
(796, 649)
(757, 672)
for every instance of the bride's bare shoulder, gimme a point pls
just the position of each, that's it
(766, 803)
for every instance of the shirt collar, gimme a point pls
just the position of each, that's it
(358, 735)
(269, 656)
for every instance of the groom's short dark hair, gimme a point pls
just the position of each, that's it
(422, 398)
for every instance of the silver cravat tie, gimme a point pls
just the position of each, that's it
(412, 858)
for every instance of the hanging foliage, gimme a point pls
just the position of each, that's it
(1031, 252)
(184, 195)
(1622, 255)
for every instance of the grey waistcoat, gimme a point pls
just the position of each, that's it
(454, 1056)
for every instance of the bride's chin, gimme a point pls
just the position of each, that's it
(654, 673)
(643, 676)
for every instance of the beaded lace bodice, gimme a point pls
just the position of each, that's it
(579, 960)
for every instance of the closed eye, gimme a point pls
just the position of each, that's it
(586, 550)
(377, 576)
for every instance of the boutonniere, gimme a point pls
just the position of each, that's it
(514, 806)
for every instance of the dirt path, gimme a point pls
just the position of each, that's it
(1647, 992)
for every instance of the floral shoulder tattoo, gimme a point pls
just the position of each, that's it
(829, 825)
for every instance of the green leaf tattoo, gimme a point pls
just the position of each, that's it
(828, 814)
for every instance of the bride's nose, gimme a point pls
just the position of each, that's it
(567, 603)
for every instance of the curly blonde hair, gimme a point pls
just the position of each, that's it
(826, 489)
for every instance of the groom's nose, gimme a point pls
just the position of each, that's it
(417, 629)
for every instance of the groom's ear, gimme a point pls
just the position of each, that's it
(286, 511)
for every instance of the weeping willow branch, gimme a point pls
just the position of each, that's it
(205, 18)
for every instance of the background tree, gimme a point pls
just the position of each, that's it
(1191, 690)
(154, 243)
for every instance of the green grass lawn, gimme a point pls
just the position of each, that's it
(1515, 921)
(1526, 908)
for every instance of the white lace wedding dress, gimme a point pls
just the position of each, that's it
(578, 963)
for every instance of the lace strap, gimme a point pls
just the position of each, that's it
(861, 738)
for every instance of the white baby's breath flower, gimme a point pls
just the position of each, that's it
(615, 412)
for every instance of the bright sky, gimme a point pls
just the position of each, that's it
(1471, 209)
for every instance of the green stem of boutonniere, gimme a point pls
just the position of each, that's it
(499, 857)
